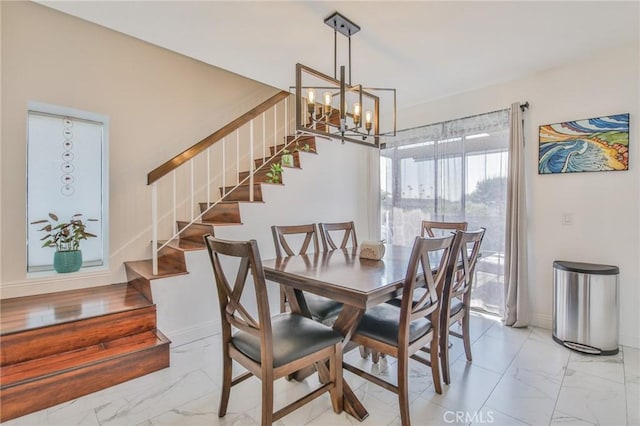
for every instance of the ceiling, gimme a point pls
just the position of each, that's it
(426, 50)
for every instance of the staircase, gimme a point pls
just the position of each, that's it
(57, 347)
(224, 209)
(60, 346)
(226, 212)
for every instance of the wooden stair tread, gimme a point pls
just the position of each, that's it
(31, 312)
(15, 374)
(144, 268)
(185, 245)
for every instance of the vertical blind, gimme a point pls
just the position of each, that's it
(451, 171)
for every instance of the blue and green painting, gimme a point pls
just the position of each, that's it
(592, 145)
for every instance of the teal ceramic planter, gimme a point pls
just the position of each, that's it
(67, 261)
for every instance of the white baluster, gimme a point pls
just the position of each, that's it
(154, 227)
(264, 136)
(208, 177)
(192, 186)
(286, 118)
(224, 167)
(174, 213)
(238, 156)
(251, 161)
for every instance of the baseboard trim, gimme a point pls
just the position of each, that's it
(542, 320)
(53, 283)
(190, 334)
(629, 339)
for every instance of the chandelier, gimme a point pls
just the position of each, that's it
(333, 106)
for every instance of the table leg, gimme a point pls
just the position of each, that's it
(345, 324)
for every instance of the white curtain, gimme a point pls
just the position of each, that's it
(451, 171)
(516, 294)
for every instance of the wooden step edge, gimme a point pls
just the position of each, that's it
(144, 269)
(218, 224)
(15, 312)
(184, 245)
(40, 394)
(89, 356)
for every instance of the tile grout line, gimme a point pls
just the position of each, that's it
(505, 372)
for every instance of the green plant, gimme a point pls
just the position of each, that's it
(306, 148)
(274, 175)
(64, 236)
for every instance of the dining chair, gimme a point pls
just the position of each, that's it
(320, 308)
(347, 229)
(433, 228)
(402, 331)
(268, 347)
(456, 294)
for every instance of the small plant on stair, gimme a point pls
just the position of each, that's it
(274, 175)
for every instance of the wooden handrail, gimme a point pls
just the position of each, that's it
(205, 143)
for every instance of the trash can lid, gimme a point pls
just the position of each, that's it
(586, 268)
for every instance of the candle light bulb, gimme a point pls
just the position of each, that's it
(367, 120)
(311, 104)
(356, 114)
(327, 102)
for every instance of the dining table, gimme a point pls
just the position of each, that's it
(343, 276)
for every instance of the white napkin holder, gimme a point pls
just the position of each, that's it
(373, 250)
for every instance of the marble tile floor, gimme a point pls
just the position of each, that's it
(517, 377)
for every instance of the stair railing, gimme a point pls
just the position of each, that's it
(182, 170)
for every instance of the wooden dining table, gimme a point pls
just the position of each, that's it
(343, 276)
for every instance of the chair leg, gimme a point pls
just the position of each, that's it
(226, 384)
(375, 357)
(403, 389)
(283, 301)
(444, 353)
(364, 351)
(435, 365)
(466, 339)
(267, 401)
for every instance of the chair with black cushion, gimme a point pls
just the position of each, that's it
(347, 229)
(402, 331)
(268, 347)
(320, 308)
(433, 229)
(456, 294)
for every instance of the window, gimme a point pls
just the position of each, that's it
(67, 173)
(451, 171)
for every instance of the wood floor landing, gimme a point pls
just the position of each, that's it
(27, 313)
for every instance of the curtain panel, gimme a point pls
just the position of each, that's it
(451, 171)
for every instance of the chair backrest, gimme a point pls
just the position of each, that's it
(462, 265)
(348, 232)
(429, 259)
(280, 240)
(433, 229)
(233, 313)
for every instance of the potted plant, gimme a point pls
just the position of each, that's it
(65, 237)
(274, 175)
(287, 158)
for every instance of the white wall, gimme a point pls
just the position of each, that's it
(158, 103)
(605, 206)
(330, 187)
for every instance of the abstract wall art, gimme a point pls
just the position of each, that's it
(590, 145)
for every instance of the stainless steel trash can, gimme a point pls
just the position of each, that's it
(585, 307)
